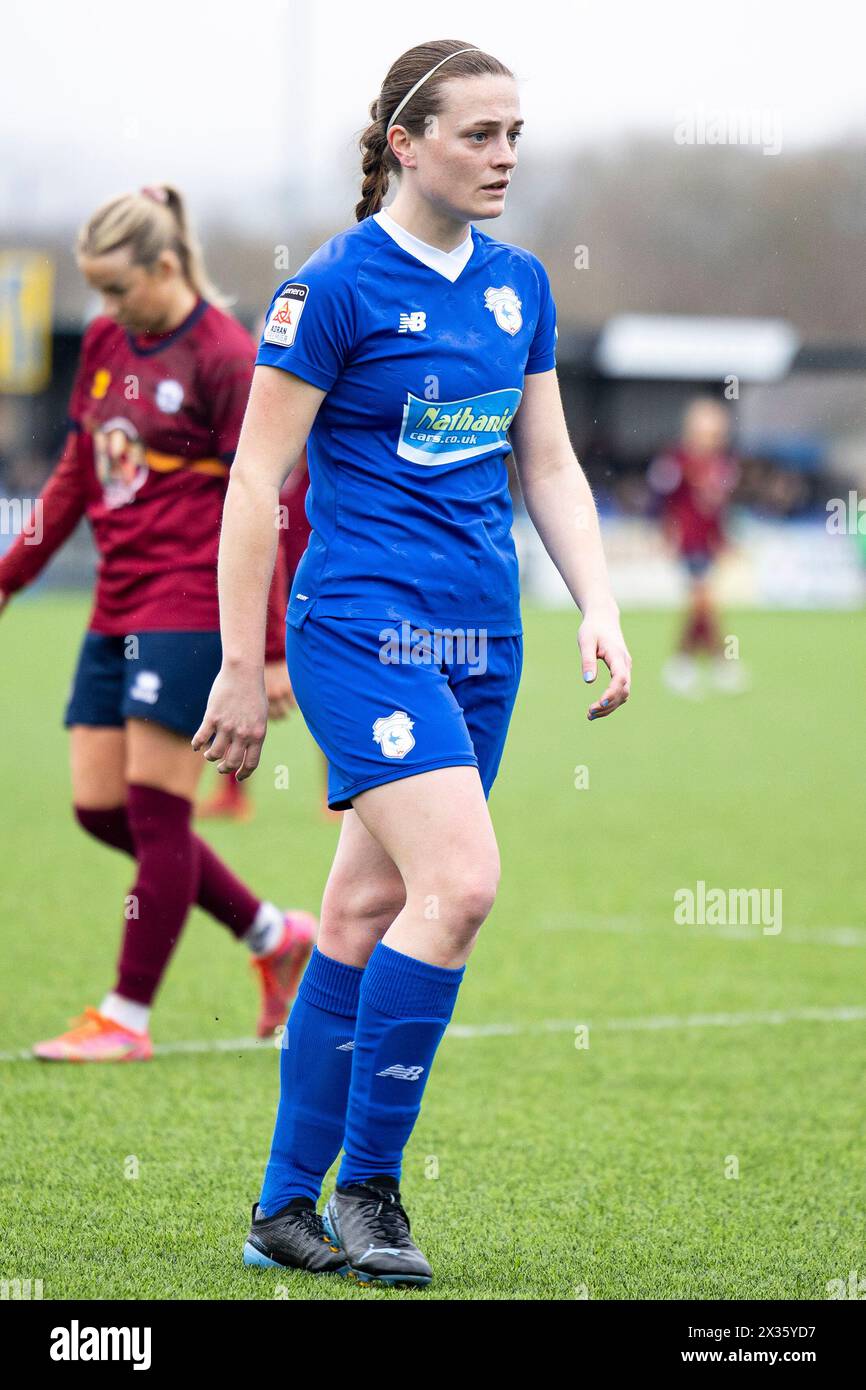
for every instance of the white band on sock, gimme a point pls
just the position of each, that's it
(266, 931)
(126, 1012)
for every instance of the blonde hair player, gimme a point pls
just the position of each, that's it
(149, 468)
(403, 353)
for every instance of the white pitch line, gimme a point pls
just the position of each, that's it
(854, 1013)
(843, 1013)
(633, 926)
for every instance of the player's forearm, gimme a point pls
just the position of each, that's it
(562, 509)
(248, 543)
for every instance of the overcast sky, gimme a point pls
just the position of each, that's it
(230, 100)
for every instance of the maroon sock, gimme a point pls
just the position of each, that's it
(706, 632)
(163, 892)
(220, 893)
(108, 824)
(691, 632)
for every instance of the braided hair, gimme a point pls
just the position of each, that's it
(378, 161)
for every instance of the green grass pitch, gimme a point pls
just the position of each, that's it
(706, 1144)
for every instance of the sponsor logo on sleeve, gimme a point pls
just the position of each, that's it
(283, 320)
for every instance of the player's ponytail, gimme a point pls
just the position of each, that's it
(374, 166)
(378, 162)
(150, 222)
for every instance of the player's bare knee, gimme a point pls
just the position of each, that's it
(462, 906)
(474, 899)
(352, 907)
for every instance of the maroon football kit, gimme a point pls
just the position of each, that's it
(698, 493)
(294, 523)
(154, 424)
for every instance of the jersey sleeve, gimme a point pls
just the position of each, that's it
(542, 350)
(310, 325)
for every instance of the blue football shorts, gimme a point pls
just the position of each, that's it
(698, 563)
(164, 677)
(385, 702)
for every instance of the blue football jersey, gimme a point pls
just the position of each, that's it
(423, 355)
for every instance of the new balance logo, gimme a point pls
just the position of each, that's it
(401, 1073)
(346, 1047)
(413, 323)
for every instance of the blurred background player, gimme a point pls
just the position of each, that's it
(694, 482)
(231, 799)
(155, 415)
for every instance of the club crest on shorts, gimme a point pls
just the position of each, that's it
(505, 307)
(393, 733)
(146, 688)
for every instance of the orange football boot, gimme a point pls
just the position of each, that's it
(230, 801)
(95, 1038)
(280, 971)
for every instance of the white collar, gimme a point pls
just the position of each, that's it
(447, 263)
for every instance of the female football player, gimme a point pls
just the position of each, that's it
(694, 483)
(402, 354)
(155, 415)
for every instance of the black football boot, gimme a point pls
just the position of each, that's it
(367, 1221)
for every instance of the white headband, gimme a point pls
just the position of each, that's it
(409, 95)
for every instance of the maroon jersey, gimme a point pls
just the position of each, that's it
(294, 525)
(154, 423)
(696, 490)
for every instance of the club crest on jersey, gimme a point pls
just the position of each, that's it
(169, 396)
(283, 320)
(437, 432)
(393, 733)
(505, 307)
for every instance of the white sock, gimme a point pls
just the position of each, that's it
(266, 932)
(126, 1012)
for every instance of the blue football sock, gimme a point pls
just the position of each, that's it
(315, 1069)
(404, 1009)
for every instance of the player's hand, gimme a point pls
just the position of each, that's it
(235, 722)
(600, 636)
(278, 688)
